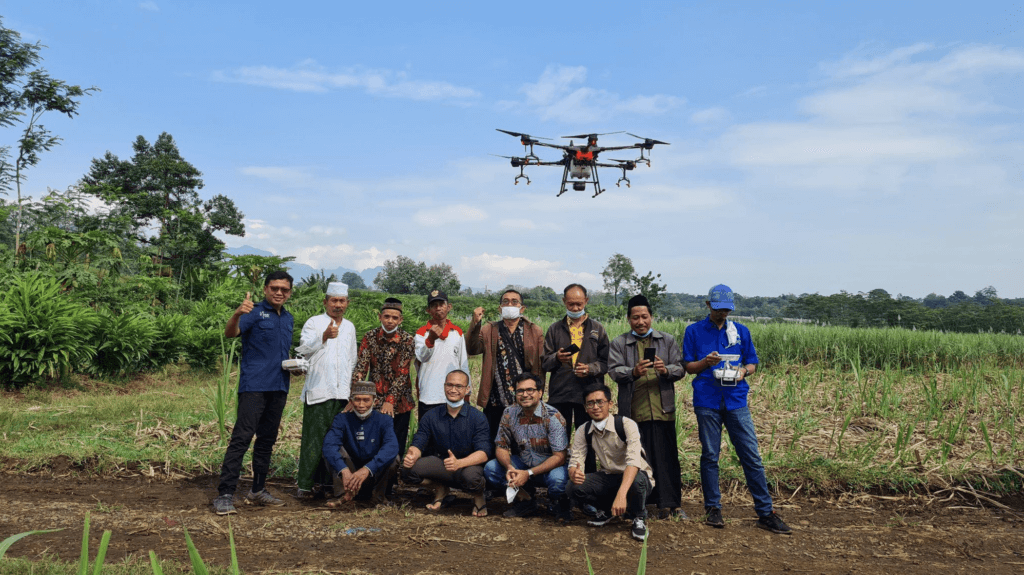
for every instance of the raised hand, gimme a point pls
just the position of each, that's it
(478, 314)
(246, 306)
(331, 332)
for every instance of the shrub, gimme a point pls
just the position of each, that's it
(125, 342)
(47, 333)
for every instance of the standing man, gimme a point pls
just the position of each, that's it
(440, 348)
(266, 330)
(385, 355)
(361, 449)
(719, 402)
(450, 448)
(530, 448)
(511, 346)
(621, 485)
(647, 394)
(328, 341)
(571, 373)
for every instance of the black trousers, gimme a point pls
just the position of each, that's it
(658, 439)
(574, 414)
(599, 489)
(402, 430)
(375, 486)
(423, 408)
(259, 413)
(469, 479)
(493, 414)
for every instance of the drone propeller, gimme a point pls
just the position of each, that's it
(520, 135)
(627, 164)
(516, 162)
(648, 142)
(588, 136)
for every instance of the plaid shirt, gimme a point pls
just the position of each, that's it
(536, 436)
(385, 359)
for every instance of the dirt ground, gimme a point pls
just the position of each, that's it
(851, 534)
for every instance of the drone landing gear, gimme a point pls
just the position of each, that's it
(522, 176)
(644, 159)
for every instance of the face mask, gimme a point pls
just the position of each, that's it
(635, 334)
(363, 416)
(389, 332)
(600, 425)
(575, 314)
(455, 404)
(510, 312)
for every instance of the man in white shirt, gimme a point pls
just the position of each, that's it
(440, 349)
(328, 342)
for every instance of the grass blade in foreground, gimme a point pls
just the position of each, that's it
(234, 554)
(197, 562)
(641, 568)
(155, 563)
(83, 560)
(590, 568)
(6, 543)
(102, 553)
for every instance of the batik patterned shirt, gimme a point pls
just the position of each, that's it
(535, 436)
(384, 360)
(507, 366)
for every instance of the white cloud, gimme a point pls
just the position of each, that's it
(496, 269)
(308, 76)
(342, 255)
(557, 95)
(710, 115)
(149, 5)
(448, 215)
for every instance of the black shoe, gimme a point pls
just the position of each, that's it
(673, 513)
(600, 518)
(714, 518)
(524, 508)
(224, 505)
(774, 523)
(639, 529)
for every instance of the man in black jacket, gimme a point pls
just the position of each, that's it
(572, 372)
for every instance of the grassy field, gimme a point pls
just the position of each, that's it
(836, 409)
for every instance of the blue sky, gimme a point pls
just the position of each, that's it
(815, 147)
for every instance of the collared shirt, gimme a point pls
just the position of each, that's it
(371, 442)
(330, 363)
(624, 353)
(611, 454)
(266, 341)
(385, 359)
(537, 435)
(437, 360)
(647, 392)
(704, 337)
(464, 434)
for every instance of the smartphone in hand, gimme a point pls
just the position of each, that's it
(649, 354)
(572, 349)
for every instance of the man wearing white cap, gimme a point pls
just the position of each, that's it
(328, 342)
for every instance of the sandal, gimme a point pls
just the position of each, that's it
(480, 511)
(441, 503)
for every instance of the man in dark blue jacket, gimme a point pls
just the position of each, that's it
(361, 448)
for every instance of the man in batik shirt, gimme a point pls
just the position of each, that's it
(511, 346)
(385, 355)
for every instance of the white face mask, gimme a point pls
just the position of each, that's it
(510, 312)
(455, 404)
(363, 416)
(600, 425)
(575, 314)
(389, 332)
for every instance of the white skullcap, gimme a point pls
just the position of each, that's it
(337, 289)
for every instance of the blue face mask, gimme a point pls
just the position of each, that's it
(455, 404)
(635, 334)
(575, 314)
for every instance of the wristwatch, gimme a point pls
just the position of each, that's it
(529, 472)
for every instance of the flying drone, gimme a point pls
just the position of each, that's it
(580, 163)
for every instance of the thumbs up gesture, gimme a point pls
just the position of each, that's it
(246, 306)
(451, 463)
(331, 332)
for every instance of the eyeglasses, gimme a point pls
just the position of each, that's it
(454, 386)
(525, 390)
(510, 302)
(277, 289)
(596, 403)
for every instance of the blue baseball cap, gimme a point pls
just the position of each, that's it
(720, 297)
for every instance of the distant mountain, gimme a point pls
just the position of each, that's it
(300, 271)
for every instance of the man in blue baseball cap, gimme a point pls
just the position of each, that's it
(720, 399)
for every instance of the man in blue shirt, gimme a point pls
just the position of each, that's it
(361, 448)
(451, 447)
(266, 330)
(720, 398)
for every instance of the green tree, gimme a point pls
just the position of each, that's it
(157, 187)
(439, 276)
(353, 280)
(403, 275)
(648, 286)
(27, 92)
(617, 275)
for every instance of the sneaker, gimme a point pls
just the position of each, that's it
(263, 498)
(600, 518)
(714, 518)
(679, 514)
(524, 508)
(224, 505)
(304, 494)
(774, 523)
(639, 530)
(589, 510)
(673, 513)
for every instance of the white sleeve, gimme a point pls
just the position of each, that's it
(423, 353)
(311, 337)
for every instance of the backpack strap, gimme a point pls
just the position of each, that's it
(590, 466)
